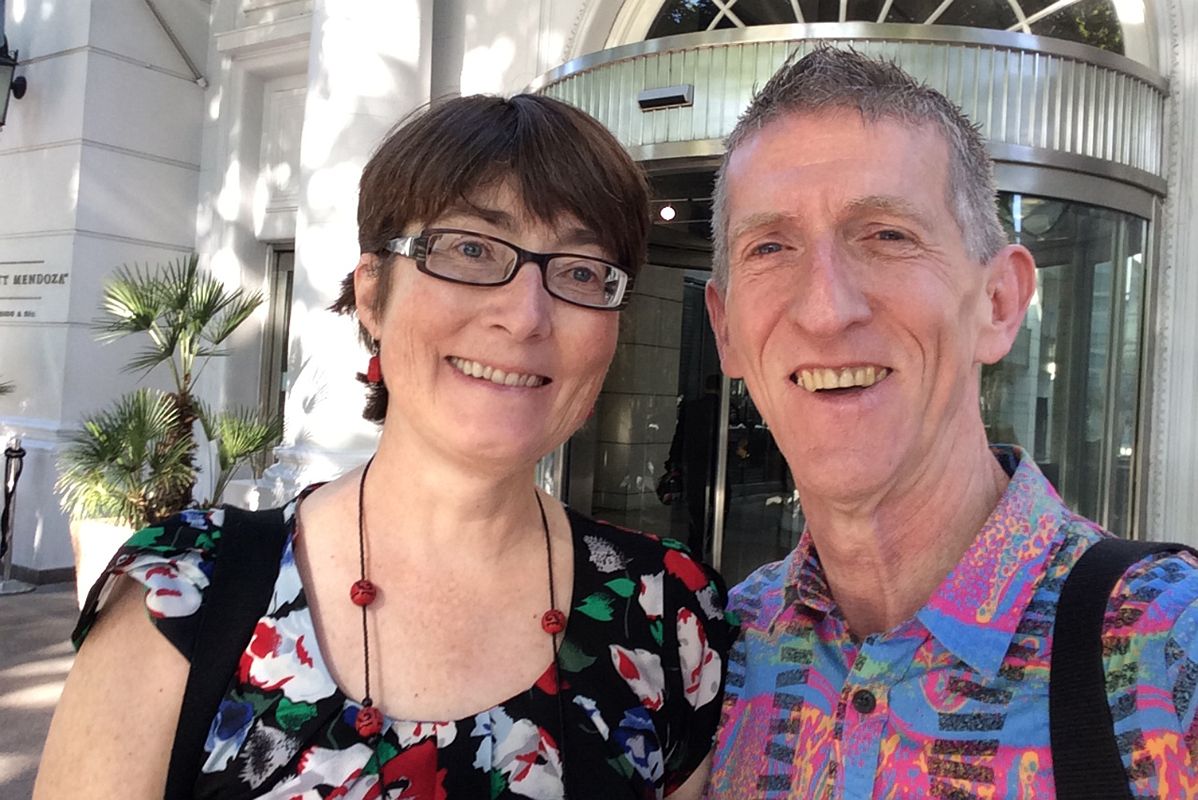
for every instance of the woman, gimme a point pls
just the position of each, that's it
(495, 644)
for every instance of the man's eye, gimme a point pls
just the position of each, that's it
(889, 235)
(766, 249)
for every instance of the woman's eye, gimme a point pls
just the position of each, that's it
(472, 249)
(582, 274)
(890, 235)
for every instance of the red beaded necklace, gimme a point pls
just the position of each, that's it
(369, 722)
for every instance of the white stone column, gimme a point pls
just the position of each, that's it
(1172, 494)
(369, 65)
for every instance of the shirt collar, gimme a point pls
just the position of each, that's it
(976, 610)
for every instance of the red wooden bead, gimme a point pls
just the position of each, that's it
(553, 621)
(369, 722)
(374, 370)
(363, 592)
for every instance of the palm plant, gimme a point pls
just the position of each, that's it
(186, 314)
(6, 387)
(137, 462)
(126, 463)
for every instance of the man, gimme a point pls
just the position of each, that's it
(902, 650)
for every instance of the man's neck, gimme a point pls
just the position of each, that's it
(883, 560)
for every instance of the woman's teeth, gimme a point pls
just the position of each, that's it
(495, 375)
(814, 380)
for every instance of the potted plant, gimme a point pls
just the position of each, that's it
(136, 463)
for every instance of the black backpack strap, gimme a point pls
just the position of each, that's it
(247, 566)
(1085, 755)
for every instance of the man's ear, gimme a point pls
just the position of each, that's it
(718, 315)
(366, 288)
(1010, 284)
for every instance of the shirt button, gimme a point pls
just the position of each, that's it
(864, 701)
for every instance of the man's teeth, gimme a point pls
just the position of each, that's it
(815, 379)
(495, 375)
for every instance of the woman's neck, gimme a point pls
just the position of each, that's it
(441, 502)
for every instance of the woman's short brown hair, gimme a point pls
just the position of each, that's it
(557, 159)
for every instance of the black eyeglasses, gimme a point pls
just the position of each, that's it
(480, 260)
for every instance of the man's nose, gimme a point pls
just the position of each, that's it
(523, 307)
(830, 296)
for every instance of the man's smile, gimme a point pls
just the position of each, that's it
(816, 379)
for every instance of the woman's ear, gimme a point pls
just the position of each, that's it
(366, 289)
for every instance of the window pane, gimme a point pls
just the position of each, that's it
(764, 12)
(683, 16)
(1092, 22)
(1069, 390)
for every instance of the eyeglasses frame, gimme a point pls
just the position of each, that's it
(416, 248)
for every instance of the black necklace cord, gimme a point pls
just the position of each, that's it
(557, 673)
(367, 700)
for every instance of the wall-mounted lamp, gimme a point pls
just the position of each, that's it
(15, 86)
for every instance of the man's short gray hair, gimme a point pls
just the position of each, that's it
(830, 79)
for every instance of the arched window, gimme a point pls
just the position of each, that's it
(1092, 22)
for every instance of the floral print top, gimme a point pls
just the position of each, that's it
(642, 661)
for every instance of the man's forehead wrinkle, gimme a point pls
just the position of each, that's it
(891, 204)
(759, 219)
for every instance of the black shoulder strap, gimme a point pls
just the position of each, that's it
(247, 566)
(1085, 755)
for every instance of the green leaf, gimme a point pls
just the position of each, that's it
(596, 606)
(656, 629)
(571, 659)
(621, 766)
(146, 537)
(292, 715)
(386, 751)
(674, 544)
(498, 783)
(622, 586)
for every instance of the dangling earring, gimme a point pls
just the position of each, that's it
(374, 370)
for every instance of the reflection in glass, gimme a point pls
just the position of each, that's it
(1069, 390)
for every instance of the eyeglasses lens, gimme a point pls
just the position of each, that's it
(471, 258)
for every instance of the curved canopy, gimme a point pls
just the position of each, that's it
(1092, 22)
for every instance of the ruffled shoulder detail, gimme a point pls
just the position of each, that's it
(174, 563)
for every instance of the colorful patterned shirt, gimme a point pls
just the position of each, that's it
(954, 701)
(634, 713)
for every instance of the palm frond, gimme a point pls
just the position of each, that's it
(236, 310)
(239, 434)
(242, 432)
(122, 458)
(7, 387)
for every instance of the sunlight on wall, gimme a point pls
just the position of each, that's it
(483, 68)
(214, 104)
(1131, 12)
(228, 204)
